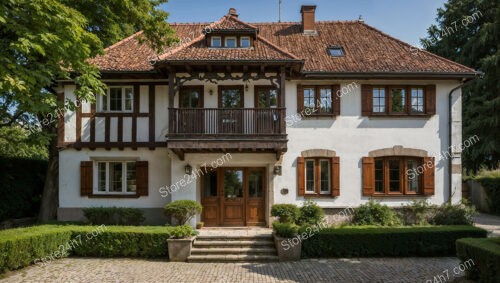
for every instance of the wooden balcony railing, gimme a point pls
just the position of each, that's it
(193, 122)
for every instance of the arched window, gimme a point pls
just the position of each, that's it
(398, 171)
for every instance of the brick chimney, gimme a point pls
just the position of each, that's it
(232, 12)
(308, 19)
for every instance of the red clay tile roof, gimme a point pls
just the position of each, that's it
(228, 23)
(367, 50)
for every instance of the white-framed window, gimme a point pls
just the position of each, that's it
(230, 42)
(325, 175)
(116, 177)
(318, 176)
(378, 100)
(245, 42)
(119, 98)
(216, 41)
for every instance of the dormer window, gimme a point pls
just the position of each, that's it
(230, 42)
(216, 41)
(245, 42)
(336, 51)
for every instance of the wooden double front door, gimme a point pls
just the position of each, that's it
(234, 197)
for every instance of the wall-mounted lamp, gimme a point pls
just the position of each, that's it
(188, 169)
(277, 170)
(211, 92)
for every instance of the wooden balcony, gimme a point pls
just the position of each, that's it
(227, 130)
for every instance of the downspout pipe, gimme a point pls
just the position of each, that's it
(450, 132)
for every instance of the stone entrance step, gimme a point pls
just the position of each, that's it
(232, 248)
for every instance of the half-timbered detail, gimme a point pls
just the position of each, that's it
(241, 116)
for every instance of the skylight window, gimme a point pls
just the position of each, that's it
(336, 51)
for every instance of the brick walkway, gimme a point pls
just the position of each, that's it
(333, 270)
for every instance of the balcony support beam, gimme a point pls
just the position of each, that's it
(171, 89)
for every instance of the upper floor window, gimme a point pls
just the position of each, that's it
(118, 99)
(216, 41)
(378, 100)
(245, 42)
(191, 97)
(266, 97)
(317, 100)
(398, 100)
(230, 42)
(417, 100)
(116, 177)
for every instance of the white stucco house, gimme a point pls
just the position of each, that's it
(240, 116)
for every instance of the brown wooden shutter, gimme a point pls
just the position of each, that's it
(142, 175)
(336, 99)
(335, 176)
(301, 175)
(430, 99)
(366, 100)
(368, 176)
(428, 176)
(86, 178)
(300, 98)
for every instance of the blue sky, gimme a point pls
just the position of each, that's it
(407, 20)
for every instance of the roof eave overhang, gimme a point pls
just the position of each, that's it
(230, 62)
(390, 75)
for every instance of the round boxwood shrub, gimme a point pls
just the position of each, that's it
(183, 210)
(285, 230)
(311, 213)
(454, 214)
(286, 213)
(374, 213)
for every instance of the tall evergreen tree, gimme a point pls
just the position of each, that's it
(468, 32)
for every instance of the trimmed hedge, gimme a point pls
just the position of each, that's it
(114, 215)
(485, 256)
(23, 246)
(379, 241)
(491, 185)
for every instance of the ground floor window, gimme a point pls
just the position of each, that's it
(398, 175)
(318, 175)
(116, 177)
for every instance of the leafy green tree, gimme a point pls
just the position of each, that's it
(18, 142)
(467, 31)
(45, 40)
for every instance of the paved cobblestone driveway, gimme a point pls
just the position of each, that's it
(331, 270)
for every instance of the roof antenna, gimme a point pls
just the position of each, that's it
(360, 19)
(279, 8)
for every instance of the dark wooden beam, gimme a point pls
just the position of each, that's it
(262, 68)
(282, 86)
(245, 68)
(209, 68)
(171, 89)
(152, 134)
(228, 69)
